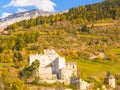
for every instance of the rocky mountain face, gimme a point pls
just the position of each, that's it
(4, 22)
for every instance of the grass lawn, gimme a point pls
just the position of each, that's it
(88, 68)
(88, 36)
(116, 51)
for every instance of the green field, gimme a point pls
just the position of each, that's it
(91, 68)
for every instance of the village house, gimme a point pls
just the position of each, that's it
(111, 81)
(99, 55)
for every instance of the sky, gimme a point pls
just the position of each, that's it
(8, 7)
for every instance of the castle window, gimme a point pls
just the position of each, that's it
(73, 67)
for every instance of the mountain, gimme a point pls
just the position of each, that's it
(108, 9)
(4, 22)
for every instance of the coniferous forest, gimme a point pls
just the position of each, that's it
(109, 9)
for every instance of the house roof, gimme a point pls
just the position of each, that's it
(111, 77)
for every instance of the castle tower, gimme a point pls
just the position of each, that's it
(111, 81)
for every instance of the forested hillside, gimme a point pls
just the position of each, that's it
(74, 35)
(109, 9)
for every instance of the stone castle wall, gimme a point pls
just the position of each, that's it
(46, 73)
(53, 67)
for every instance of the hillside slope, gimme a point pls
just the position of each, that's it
(109, 9)
(74, 35)
(4, 22)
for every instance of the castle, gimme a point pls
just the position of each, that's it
(54, 68)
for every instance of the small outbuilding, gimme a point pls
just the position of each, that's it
(111, 80)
